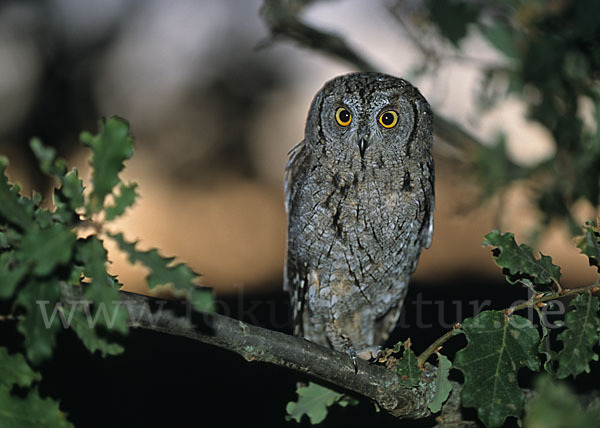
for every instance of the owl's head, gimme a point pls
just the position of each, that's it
(369, 117)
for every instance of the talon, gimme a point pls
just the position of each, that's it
(352, 353)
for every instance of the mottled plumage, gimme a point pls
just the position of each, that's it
(359, 198)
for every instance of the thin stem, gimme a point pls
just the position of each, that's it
(556, 295)
(436, 346)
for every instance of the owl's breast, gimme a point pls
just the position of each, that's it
(360, 227)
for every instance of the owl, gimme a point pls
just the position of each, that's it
(359, 199)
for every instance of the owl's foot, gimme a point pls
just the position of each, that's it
(352, 353)
(368, 353)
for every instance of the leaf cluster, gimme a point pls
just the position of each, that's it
(552, 64)
(499, 343)
(53, 273)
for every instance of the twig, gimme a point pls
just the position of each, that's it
(427, 52)
(553, 296)
(435, 346)
(282, 20)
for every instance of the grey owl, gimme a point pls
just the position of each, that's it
(359, 198)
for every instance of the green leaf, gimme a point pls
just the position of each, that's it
(346, 401)
(111, 147)
(44, 249)
(75, 276)
(497, 347)
(82, 324)
(452, 17)
(554, 405)
(502, 38)
(13, 208)
(408, 368)
(102, 290)
(162, 269)
(42, 320)
(32, 411)
(581, 335)
(518, 261)
(46, 157)
(545, 346)
(68, 198)
(15, 370)
(124, 200)
(589, 244)
(443, 387)
(8, 237)
(313, 401)
(202, 300)
(11, 274)
(72, 188)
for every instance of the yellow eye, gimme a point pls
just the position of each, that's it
(388, 119)
(343, 116)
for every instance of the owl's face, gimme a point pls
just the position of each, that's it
(369, 117)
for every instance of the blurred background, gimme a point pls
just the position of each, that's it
(216, 100)
(217, 92)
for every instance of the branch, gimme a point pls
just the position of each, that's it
(282, 20)
(536, 302)
(258, 344)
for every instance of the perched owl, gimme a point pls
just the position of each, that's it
(359, 198)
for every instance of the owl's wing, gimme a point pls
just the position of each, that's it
(295, 155)
(294, 280)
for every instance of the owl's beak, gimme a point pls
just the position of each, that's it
(362, 146)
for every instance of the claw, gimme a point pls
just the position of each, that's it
(352, 353)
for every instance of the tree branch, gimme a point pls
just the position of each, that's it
(258, 344)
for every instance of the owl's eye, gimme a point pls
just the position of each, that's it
(388, 119)
(343, 116)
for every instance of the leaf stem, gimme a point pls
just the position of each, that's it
(553, 296)
(436, 346)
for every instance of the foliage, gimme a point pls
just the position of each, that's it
(54, 278)
(408, 367)
(498, 346)
(313, 401)
(519, 263)
(552, 64)
(579, 337)
(555, 406)
(443, 387)
(589, 243)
